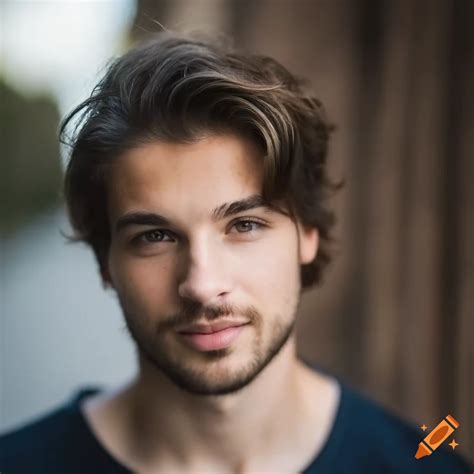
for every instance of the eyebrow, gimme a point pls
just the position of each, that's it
(221, 212)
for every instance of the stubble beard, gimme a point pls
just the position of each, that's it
(151, 346)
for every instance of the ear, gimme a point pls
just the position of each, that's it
(308, 239)
(105, 276)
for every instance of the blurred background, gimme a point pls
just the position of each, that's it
(394, 316)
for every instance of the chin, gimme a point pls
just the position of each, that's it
(211, 384)
(217, 372)
(213, 372)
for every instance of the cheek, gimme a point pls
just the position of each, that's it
(142, 283)
(272, 269)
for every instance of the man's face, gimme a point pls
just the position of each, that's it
(178, 279)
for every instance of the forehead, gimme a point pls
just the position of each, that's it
(184, 179)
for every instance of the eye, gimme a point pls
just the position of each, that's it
(152, 237)
(245, 226)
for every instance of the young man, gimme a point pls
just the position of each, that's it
(198, 176)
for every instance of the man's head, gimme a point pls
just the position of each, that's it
(197, 175)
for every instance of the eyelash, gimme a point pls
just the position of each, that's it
(139, 239)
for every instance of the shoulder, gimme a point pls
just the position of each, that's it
(373, 437)
(32, 446)
(55, 442)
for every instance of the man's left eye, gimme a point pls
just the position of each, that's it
(246, 226)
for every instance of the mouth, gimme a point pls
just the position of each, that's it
(212, 336)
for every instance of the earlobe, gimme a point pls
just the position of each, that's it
(105, 276)
(309, 242)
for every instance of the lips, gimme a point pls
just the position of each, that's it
(212, 336)
(212, 327)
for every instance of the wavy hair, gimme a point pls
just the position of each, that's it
(179, 88)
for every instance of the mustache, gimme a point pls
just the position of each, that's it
(192, 312)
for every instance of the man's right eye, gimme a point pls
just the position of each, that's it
(151, 237)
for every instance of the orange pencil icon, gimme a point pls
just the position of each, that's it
(437, 435)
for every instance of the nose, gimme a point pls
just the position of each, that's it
(205, 278)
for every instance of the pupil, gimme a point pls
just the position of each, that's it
(155, 235)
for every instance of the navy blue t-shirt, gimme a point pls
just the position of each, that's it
(365, 438)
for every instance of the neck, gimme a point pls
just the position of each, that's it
(216, 419)
(221, 426)
(151, 425)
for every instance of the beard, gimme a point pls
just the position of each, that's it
(206, 373)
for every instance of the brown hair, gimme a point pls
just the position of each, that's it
(178, 88)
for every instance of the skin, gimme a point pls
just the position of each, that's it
(251, 407)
